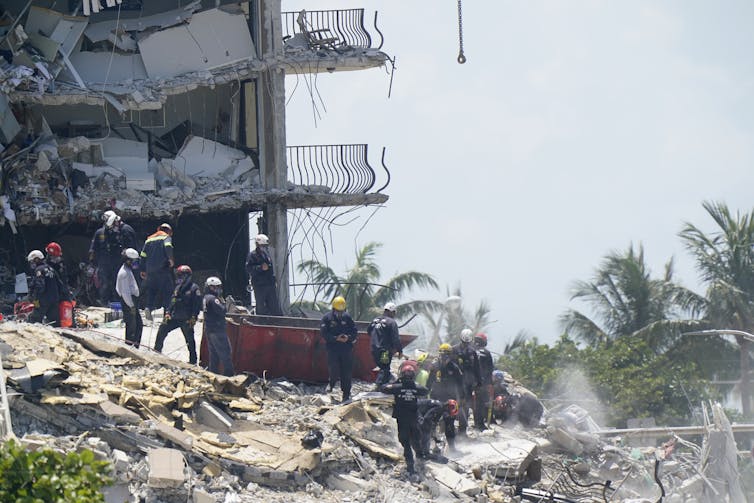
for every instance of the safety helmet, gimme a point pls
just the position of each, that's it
(466, 335)
(339, 303)
(183, 270)
(261, 239)
(130, 254)
(480, 339)
(54, 250)
(213, 281)
(498, 376)
(445, 348)
(112, 220)
(421, 356)
(35, 255)
(165, 228)
(452, 407)
(108, 215)
(499, 403)
(408, 369)
(390, 306)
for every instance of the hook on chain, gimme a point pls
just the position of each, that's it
(461, 57)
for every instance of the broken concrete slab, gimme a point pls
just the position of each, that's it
(104, 67)
(507, 458)
(209, 158)
(118, 414)
(349, 482)
(453, 480)
(9, 126)
(104, 30)
(166, 468)
(209, 415)
(174, 435)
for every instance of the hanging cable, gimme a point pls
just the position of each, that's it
(461, 57)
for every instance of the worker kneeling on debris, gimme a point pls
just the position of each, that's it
(214, 327)
(429, 414)
(524, 406)
(185, 305)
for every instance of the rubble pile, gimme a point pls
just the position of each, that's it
(175, 432)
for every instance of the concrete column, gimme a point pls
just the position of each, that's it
(271, 102)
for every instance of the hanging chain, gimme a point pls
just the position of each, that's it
(461, 57)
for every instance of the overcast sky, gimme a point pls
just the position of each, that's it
(575, 128)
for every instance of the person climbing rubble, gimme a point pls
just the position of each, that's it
(185, 305)
(466, 356)
(430, 412)
(339, 331)
(218, 344)
(385, 342)
(105, 250)
(44, 292)
(128, 291)
(406, 394)
(157, 271)
(482, 395)
(445, 380)
(260, 270)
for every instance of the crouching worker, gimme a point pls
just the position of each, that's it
(214, 327)
(429, 414)
(405, 409)
(128, 291)
(524, 406)
(182, 312)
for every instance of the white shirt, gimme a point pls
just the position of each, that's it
(126, 285)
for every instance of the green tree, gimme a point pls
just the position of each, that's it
(365, 294)
(446, 319)
(725, 262)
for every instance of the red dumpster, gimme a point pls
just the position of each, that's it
(280, 346)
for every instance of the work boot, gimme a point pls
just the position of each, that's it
(148, 314)
(346, 397)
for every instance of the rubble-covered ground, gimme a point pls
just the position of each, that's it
(175, 433)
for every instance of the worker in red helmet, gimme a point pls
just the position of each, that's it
(185, 305)
(54, 259)
(405, 409)
(483, 393)
(430, 413)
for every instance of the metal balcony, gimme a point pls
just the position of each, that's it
(330, 29)
(343, 169)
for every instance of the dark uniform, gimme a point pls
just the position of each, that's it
(445, 379)
(217, 338)
(405, 411)
(482, 399)
(105, 248)
(45, 293)
(62, 275)
(385, 341)
(465, 355)
(339, 354)
(157, 257)
(182, 312)
(430, 413)
(263, 282)
(526, 407)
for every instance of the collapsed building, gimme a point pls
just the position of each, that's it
(168, 113)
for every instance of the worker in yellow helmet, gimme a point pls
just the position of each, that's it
(445, 380)
(339, 331)
(423, 363)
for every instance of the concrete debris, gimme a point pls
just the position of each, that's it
(166, 468)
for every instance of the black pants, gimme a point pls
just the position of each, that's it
(340, 367)
(481, 405)
(382, 359)
(49, 311)
(219, 352)
(134, 325)
(267, 300)
(188, 334)
(158, 288)
(408, 435)
(426, 428)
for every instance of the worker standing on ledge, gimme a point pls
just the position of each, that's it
(259, 268)
(385, 342)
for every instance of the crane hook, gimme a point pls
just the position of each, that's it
(461, 57)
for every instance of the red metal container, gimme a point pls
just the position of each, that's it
(289, 347)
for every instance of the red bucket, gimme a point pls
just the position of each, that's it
(65, 309)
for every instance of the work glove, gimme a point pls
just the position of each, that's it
(384, 357)
(36, 303)
(166, 318)
(192, 321)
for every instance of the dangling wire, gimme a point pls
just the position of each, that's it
(461, 57)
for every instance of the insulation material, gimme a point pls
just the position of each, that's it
(211, 39)
(210, 158)
(102, 67)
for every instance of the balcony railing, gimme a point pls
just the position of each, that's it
(330, 29)
(343, 169)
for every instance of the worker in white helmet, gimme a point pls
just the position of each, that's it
(385, 342)
(467, 358)
(262, 275)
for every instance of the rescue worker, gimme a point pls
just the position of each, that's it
(262, 277)
(105, 251)
(128, 291)
(339, 331)
(385, 342)
(445, 380)
(405, 409)
(44, 292)
(466, 356)
(54, 259)
(157, 269)
(429, 414)
(423, 374)
(482, 398)
(185, 305)
(524, 405)
(214, 327)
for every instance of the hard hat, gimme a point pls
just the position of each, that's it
(111, 220)
(390, 306)
(339, 303)
(108, 215)
(183, 270)
(498, 376)
(165, 227)
(213, 281)
(53, 249)
(130, 254)
(466, 335)
(261, 239)
(481, 338)
(421, 356)
(452, 407)
(445, 348)
(408, 369)
(499, 403)
(35, 255)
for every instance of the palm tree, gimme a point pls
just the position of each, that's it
(624, 299)
(361, 286)
(725, 261)
(453, 317)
